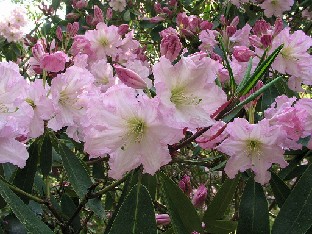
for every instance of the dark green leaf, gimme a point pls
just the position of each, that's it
(79, 178)
(280, 189)
(98, 170)
(32, 223)
(253, 210)
(56, 4)
(296, 213)
(183, 215)
(136, 214)
(68, 208)
(150, 183)
(46, 155)
(9, 170)
(24, 178)
(221, 201)
(12, 225)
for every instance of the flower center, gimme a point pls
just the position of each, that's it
(179, 97)
(30, 102)
(65, 99)
(104, 41)
(287, 53)
(253, 147)
(136, 127)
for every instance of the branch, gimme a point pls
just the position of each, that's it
(108, 188)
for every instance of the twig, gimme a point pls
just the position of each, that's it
(108, 188)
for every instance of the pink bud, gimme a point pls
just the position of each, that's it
(200, 196)
(206, 25)
(109, 13)
(157, 8)
(173, 3)
(72, 29)
(235, 21)
(80, 4)
(170, 46)
(242, 53)
(167, 11)
(230, 30)
(123, 29)
(260, 27)
(129, 77)
(162, 219)
(38, 51)
(89, 20)
(185, 185)
(278, 26)
(98, 14)
(223, 20)
(216, 57)
(73, 16)
(59, 33)
(266, 40)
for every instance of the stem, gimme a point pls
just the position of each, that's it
(251, 115)
(18, 190)
(44, 77)
(108, 188)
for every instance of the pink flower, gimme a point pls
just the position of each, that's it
(187, 92)
(54, 62)
(276, 7)
(208, 39)
(200, 196)
(241, 36)
(103, 74)
(118, 5)
(213, 136)
(252, 146)
(242, 53)
(185, 185)
(129, 128)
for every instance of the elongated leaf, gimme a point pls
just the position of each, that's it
(259, 72)
(221, 201)
(79, 178)
(231, 114)
(183, 215)
(46, 155)
(68, 208)
(253, 210)
(246, 77)
(9, 170)
(296, 213)
(222, 227)
(280, 189)
(136, 214)
(32, 223)
(24, 178)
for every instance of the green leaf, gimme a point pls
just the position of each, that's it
(231, 114)
(79, 178)
(98, 170)
(126, 16)
(150, 183)
(296, 213)
(280, 189)
(253, 210)
(9, 170)
(24, 178)
(259, 72)
(221, 201)
(56, 4)
(183, 215)
(222, 227)
(46, 155)
(136, 214)
(68, 208)
(32, 223)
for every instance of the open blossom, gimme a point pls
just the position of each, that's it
(118, 5)
(130, 130)
(54, 62)
(293, 58)
(103, 74)
(66, 89)
(252, 146)
(208, 39)
(104, 40)
(276, 7)
(187, 92)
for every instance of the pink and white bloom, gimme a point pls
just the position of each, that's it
(130, 130)
(118, 5)
(54, 62)
(252, 146)
(103, 74)
(276, 7)
(187, 92)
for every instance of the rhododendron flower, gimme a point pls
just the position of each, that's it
(293, 58)
(187, 92)
(208, 39)
(304, 111)
(276, 7)
(66, 89)
(200, 195)
(130, 130)
(103, 74)
(118, 5)
(104, 40)
(242, 53)
(170, 45)
(213, 136)
(130, 78)
(252, 146)
(241, 36)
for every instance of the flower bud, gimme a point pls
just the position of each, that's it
(73, 16)
(38, 51)
(123, 29)
(59, 33)
(157, 8)
(109, 13)
(242, 53)
(185, 185)
(235, 21)
(278, 26)
(98, 14)
(162, 219)
(54, 62)
(200, 196)
(260, 27)
(170, 47)
(230, 30)
(255, 41)
(206, 25)
(266, 40)
(129, 77)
